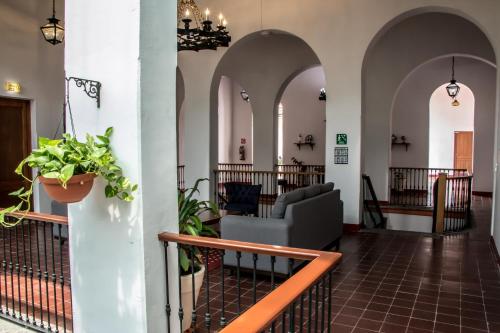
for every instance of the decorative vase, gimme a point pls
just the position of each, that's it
(187, 295)
(76, 189)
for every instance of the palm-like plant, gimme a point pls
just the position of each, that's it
(191, 224)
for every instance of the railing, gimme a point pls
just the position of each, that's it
(35, 285)
(413, 186)
(273, 184)
(452, 203)
(300, 168)
(235, 166)
(180, 177)
(234, 301)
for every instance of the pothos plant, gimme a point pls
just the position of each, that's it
(191, 224)
(64, 158)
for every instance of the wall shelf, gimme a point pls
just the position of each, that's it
(405, 144)
(310, 144)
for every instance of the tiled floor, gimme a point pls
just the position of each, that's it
(400, 282)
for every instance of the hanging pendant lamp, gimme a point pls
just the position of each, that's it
(453, 88)
(52, 31)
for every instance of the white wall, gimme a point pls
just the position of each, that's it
(445, 120)
(242, 126)
(38, 66)
(179, 105)
(341, 55)
(411, 114)
(304, 113)
(225, 114)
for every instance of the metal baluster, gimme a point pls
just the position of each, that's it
(301, 320)
(273, 286)
(25, 273)
(309, 310)
(238, 282)
(223, 320)
(54, 276)
(39, 271)
(18, 275)
(46, 274)
(61, 274)
(168, 309)
(316, 308)
(254, 277)
(181, 310)
(193, 288)
(291, 316)
(11, 270)
(208, 318)
(33, 321)
(4, 265)
(329, 325)
(323, 282)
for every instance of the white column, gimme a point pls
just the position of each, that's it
(117, 266)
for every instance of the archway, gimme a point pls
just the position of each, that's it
(402, 46)
(180, 95)
(301, 114)
(446, 121)
(262, 74)
(235, 124)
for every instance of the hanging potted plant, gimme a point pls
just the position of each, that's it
(67, 168)
(190, 257)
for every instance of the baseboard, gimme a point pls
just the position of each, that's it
(495, 250)
(483, 194)
(380, 202)
(407, 211)
(351, 228)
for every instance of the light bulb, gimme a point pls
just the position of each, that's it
(221, 17)
(187, 13)
(455, 102)
(224, 23)
(207, 13)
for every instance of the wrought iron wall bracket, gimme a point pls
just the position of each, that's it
(91, 88)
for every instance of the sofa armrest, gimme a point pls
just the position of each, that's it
(256, 230)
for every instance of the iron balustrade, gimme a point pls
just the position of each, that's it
(181, 183)
(456, 205)
(35, 284)
(273, 184)
(413, 186)
(300, 168)
(302, 302)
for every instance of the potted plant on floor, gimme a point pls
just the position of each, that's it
(190, 257)
(67, 168)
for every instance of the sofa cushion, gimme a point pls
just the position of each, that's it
(284, 200)
(312, 191)
(327, 187)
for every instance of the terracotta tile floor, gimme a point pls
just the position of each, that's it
(397, 282)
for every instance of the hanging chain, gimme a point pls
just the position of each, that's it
(68, 104)
(453, 68)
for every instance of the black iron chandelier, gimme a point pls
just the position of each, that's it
(195, 33)
(453, 88)
(52, 31)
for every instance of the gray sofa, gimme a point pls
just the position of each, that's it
(309, 218)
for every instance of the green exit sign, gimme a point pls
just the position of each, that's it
(341, 139)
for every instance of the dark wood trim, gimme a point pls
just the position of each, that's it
(351, 228)
(380, 202)
(495, 249)
(407, 211)
(56, 219)
(483, 194)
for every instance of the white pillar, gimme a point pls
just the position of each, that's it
(117, 266)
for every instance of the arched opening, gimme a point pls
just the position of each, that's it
(180, 95)
(235, 123)
(263, 76)
(302, 119)
(451, 129)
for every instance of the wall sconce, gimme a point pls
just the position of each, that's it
(12, 87)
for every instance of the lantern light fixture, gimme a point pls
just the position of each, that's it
(53, 32)
(453, 88)
(322, 94)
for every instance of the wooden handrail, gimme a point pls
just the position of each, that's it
(42, 217)
(263, 313)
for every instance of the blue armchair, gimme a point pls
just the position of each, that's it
(242, 197)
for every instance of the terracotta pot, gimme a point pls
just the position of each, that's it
(77, 188)
(187, 295)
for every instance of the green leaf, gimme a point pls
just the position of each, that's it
(109, 132)
(67, 172)
(18, 192)
(52, 175)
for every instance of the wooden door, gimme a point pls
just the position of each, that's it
(15, 145)
(463, 150)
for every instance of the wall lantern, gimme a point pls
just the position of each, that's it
(245, 96)
(52, 31)
(12, 87)
(322, 94)
(453, 88)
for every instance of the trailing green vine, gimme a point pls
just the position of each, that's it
(64, 158)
